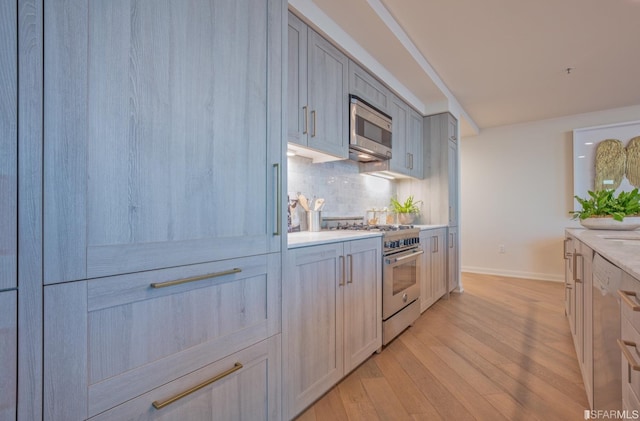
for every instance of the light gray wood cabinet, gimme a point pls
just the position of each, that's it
(407, 154)
(441, 153)
(332, 310)
(368, 88)
(318, 92)
(8, 210)
(8, 355)
(8, 145)
(247, 388)
(569, 291)
(111, 339)
(163, 137)
(453, 259)
(433, 277)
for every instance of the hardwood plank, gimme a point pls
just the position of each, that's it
(500, 350)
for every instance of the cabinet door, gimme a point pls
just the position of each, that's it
(452, 128)
(297, 109)
(8, 144)
(439, 263)
(415, 144)
(362, 301)
(8, 355)
(426, 270)
(453, 271)
(167, 149)
(367, 87)
(314, 315)
(400, 159)
(328, 96)
(111, 339)
(453, 183)
(247, 388)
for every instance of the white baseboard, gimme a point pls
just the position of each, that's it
(515, 274)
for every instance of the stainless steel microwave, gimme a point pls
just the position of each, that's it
(369, 132)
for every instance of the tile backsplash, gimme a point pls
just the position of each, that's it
(345, 190)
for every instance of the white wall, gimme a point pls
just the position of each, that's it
(517, 189)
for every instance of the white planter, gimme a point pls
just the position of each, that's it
(627, 224)
(406, 218)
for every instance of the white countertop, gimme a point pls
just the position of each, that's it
(612, 246)
(307, 238)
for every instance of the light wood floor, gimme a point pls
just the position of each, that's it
(502, 350)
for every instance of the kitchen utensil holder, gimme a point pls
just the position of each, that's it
(314, 220)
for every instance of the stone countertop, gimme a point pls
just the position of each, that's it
(307, 238)
(622, 248)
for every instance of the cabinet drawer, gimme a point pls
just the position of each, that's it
(112, 339)
(630, 377)
(630, 300)
(230, 392)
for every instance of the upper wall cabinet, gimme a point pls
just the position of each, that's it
(8, 144)
(317, 92)
(407, 140)
(163, 137)
(370, 89)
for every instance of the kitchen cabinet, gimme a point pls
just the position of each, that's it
(453, 259)
(407, 155)
(433, 277)
(8, 355)
(8, 145)
(8, 210)
(441, 152)
(368, 88)
(628, 342)
(332, 316)
(168, 148)
(247, 388)
(109, 340)
(317, 92)
(579, 306)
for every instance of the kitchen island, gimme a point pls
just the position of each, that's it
(621, 248)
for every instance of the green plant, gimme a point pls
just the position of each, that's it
(409, 206)
(604, 203)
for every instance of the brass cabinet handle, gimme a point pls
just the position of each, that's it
(160, 405)
(306, 122)
(627, 354)
(313, 120)
(575, 267)
(278, 175)
(341, 283)
(625, 295)
(350, 263)
(194, 278)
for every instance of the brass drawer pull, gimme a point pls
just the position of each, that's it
(160, 405)
(627, 354)
(194, 278)
(625, 295)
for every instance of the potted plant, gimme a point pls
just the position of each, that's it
(406, 211)
(604, 210)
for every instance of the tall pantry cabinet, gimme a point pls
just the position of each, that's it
(163, 219)
(8, 209)
(441, 130)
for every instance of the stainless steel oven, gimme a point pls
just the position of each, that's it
(400, 281)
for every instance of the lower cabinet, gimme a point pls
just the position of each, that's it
(126, 339)
(629, 342)
(433, 277)
(243, 386)
(332, 316)
(453, 259)
(8, 354)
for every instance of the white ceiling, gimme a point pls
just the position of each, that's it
(501, 61)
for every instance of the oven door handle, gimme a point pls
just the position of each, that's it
(410, 256)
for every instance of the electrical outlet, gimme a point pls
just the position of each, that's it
(501, 249)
